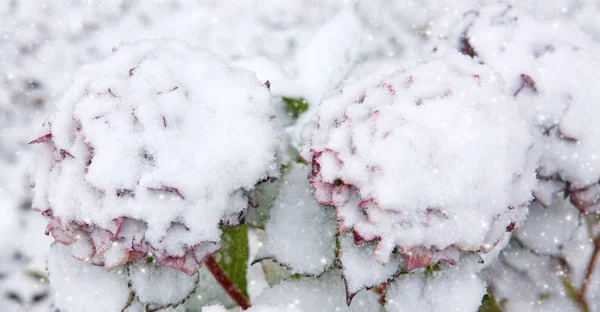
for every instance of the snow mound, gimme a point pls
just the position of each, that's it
(150, 151)
(78, 286)
(404, 156)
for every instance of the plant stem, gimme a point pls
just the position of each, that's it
(589, 271)
(235, 294)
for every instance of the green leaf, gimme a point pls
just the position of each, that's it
(489, 304)
(431, 269)
(233, 256)
(294, 106)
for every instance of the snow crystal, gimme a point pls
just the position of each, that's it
(450, 289)
(78, 286)
(157, 145)
(405, 159)
(300, 233)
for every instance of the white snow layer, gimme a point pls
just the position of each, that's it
(546, 230)
(450, 289)
(323, 294)
(360, 269)
(300, 233)
(151, 150)
(79, 286)
(160, 286)
(404, 156)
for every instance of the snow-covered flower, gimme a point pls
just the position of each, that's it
(426, 161)
(553, 73)
(150, 151)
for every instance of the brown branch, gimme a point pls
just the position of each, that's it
(221, 277)
(588, 272)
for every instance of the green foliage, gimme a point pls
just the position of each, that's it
(233, 256)
(295, 106)
(489, 304)
(431, 269)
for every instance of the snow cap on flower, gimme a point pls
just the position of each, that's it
(554, 74)
(427, 160)
(150, 151)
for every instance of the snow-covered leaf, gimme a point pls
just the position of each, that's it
(323, 294)
(159, 287)
(79, 286)
(233, 256)
(361, 269)
(300, 233)
(546, 230)
(450, 289)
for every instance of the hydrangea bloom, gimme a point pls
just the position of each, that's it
(404, 156)
(150, 151)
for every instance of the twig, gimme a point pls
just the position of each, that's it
(235, 294)
(588, 272)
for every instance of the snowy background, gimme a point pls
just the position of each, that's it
(541, 55)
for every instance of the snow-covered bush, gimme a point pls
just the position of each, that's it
(149, 152)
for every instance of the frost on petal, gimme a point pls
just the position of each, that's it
(79, 286)
(360, 269)
(449, 289)
(154, 160)
(323, 294)
(159, 287)
(403, 155)
(300, 233)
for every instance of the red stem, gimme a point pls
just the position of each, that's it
(589, 271)
(221, 277)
